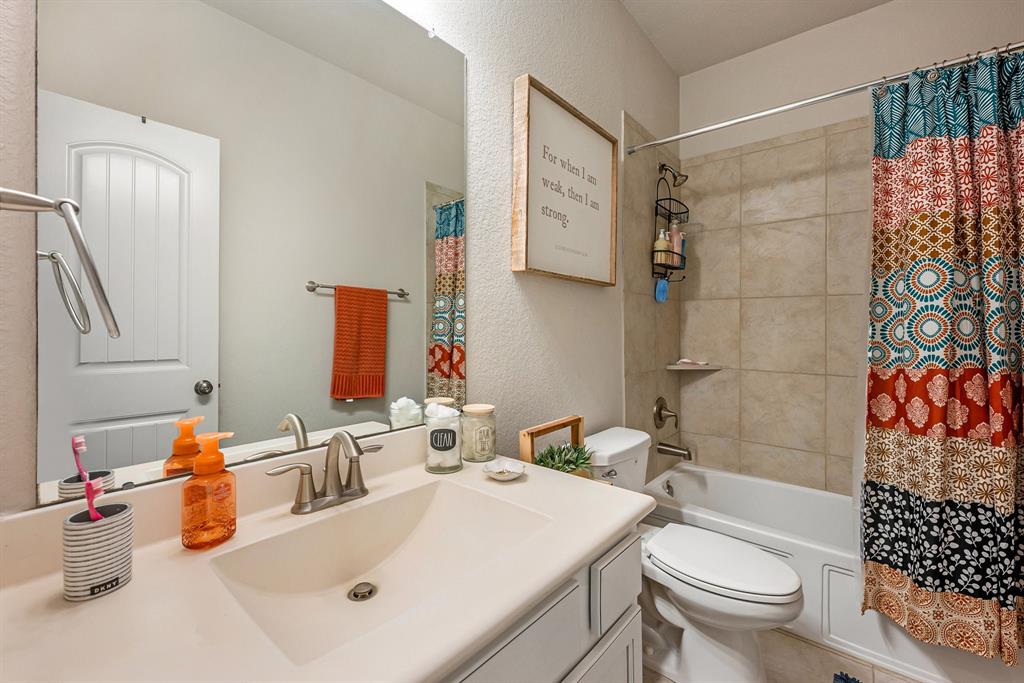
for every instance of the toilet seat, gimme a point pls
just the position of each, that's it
(722, 565)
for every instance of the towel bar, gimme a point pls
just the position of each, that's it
(313, 286)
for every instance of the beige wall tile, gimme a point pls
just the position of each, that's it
(791, 660)
(784, 183)
(713, 451)
(849, 253)
(849, 170)
(637, 239)
(843, 126)
(639, 334)
(710, 331)
(709, 402)
(783, 409)
(783, 259)
(839, 475)
(712, 193)
(847, 333)
(802, 468)
(845, 410)
(712, 156)
(666, 344)
(784, 335)
(713, 265)
(641, 391)
(788, 139)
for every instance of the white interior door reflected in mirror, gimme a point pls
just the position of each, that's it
(150, 197)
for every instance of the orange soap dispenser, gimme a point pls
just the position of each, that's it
(208, 497)
(185, 448)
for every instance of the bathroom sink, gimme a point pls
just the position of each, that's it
(414, 547)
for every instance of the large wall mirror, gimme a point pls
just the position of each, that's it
(225, 153)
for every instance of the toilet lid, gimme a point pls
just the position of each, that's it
(722, 564)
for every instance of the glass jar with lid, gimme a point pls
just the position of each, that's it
(478, 432)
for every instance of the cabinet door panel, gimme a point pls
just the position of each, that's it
(617, 658)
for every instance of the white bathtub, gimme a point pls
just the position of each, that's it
(815, 533)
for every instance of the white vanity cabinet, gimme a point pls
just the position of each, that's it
(587, 631)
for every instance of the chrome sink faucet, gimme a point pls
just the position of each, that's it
(294, 424)
(332, 492)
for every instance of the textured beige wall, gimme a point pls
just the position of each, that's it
(17, 256)
(779, 251)
(541, 348)
(651, 329)
(887, 39)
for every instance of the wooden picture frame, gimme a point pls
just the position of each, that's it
(578, 188)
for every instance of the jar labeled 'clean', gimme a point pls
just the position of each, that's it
(478, 432)
(444, 444)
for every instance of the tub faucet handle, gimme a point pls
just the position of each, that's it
(662, 413)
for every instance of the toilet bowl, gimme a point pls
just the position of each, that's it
(717, 592)
(705, 594)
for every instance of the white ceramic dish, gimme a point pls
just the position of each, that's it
(504, 469)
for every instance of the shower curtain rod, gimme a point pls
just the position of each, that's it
(633, 149)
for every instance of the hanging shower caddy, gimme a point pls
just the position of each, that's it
(668, 264)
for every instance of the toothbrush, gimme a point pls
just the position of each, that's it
(92, 488)
(77, 448)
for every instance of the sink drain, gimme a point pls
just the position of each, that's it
(362, 591)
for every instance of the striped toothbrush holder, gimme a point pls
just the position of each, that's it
(73, 487)
(98, 555)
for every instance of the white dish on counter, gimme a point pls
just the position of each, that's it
(504, 469)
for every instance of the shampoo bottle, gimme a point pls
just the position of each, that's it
(208, 497)
(661, 248)
(185, 448)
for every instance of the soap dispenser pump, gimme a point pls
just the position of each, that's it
(208, 497)
(184, 449)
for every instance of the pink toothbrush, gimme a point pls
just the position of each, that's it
(92, 488)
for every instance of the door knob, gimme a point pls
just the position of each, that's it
(204, 387)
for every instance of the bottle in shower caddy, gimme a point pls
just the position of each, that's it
(677, 242)
(661, 248)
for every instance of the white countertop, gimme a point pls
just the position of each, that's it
(176, 620)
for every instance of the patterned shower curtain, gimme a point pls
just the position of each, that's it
(943, 489)
(446, 353)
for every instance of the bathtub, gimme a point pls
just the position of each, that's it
(815, 533)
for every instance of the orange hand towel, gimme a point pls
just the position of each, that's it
(360, 342)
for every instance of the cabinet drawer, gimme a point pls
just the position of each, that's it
(545, 648)
(617, 657)
(615, 582)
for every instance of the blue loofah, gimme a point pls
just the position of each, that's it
(661, 291)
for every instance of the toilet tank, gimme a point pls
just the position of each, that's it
(620, 457)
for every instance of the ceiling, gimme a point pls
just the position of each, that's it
(693, 34)
(369, 39)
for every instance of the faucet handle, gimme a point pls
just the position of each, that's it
(306, 493)
(372, 448)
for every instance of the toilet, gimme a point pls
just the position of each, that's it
(705, 594)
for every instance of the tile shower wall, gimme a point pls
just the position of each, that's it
(778, 272)
(651, 329)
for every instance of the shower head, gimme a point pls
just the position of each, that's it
(677, 177)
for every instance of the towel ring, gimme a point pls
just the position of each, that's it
(62, 274)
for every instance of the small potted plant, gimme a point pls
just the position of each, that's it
(566, 458)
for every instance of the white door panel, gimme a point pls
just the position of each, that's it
(150, 198)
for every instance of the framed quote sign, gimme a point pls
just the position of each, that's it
(564, 186)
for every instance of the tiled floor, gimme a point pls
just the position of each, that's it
(789, 659)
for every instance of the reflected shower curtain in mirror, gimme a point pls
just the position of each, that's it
(943, 489)
(446, 355)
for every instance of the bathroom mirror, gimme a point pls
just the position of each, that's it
(225, 153)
